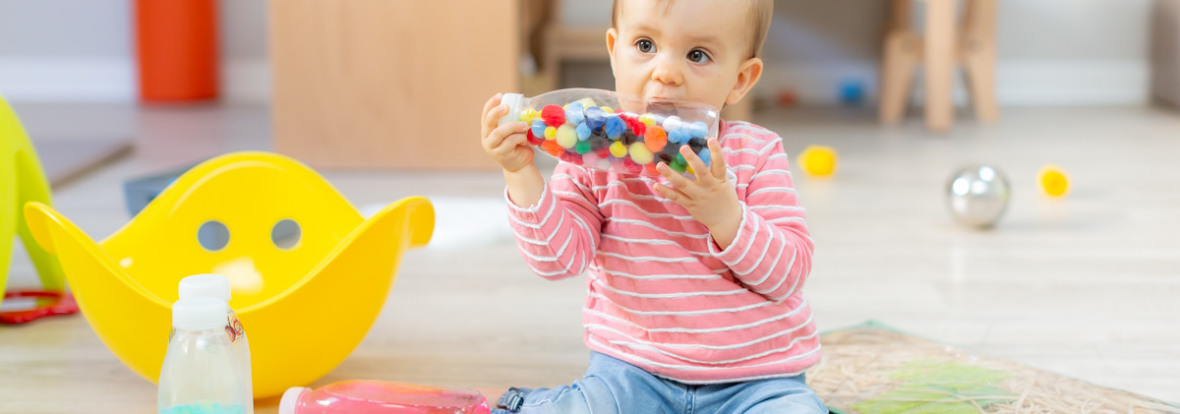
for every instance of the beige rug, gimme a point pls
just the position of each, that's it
(874, 369)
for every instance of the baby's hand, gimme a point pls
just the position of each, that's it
(507, 144)
(710, 198)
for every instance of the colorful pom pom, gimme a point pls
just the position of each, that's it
(533, 139)
(618, 150)
(595, 118)
(582, 147)
(698, 129)
(615, 126)
(583, 132)
(655, 138)
(550, 133)
(640, 154)
(574, 114)
(552, 148)
(566, 136)
(553, 115)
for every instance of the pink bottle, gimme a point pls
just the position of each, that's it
(381, 397)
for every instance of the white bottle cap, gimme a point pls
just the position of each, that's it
(205, 285)
(199, 313)
(515, 102)
(290, 399)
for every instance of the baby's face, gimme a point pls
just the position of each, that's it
(684, 49)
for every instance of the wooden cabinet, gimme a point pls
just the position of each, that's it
(389, 84)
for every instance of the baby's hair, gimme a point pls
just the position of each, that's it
(762, 11)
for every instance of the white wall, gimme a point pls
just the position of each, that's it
(1054, 52)
(1051, 51)
(83, 50)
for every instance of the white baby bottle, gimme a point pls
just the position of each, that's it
(201, 373)
(217, 286)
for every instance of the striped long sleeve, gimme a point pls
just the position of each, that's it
(660, 293)
(771, 254)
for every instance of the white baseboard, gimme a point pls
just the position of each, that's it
(1019, 82)
(51, 79)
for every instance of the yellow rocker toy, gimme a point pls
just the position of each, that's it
(297, 255)
(21, 181)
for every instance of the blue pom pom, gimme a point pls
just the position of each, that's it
(583, 132)
(539, 128)
(595, 118)
(574, 114)
(698, 129)
(615, 127)
(705, 156)
(677, 136)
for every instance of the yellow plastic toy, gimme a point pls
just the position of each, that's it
(21, 181)
(306, 297)
(818, 160)
(1053, 180)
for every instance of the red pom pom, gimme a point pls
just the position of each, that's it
(533, 139)
(631, 166)
(572, 158)
(637, 127)
(604, 153)
(553, 115)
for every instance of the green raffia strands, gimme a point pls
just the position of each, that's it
(940, 387)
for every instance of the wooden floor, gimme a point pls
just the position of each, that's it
(1088, 287)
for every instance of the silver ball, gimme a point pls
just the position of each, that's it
(978, 195)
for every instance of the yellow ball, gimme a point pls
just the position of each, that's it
(818, 160)
(1053, 181)
(567, 137)
(550, 133)
(587, 102)
(608, 109)
(640, 154)
(647, 119)
(618, 149)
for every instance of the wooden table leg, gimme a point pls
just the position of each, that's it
(902, 50)
(940, 63)
(979, 57)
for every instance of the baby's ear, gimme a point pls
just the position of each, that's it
(612, 35)
(748, 74)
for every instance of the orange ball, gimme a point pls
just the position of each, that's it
(655, 138)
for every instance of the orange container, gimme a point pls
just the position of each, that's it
(177, 48)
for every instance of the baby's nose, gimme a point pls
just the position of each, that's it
(668, 72)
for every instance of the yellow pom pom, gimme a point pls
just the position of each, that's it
(647, 119)
(608, 109)
(587, 102)
(818, 160)
(618, 149)
(567, 137)
(1053, 180)
(640, 154)
(550, 133)
(530, 115)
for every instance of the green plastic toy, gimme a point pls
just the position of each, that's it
(22, 180)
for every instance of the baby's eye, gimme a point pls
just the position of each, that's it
(645, 46)
(698, 56)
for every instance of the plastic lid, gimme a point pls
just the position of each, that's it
(515, 102)
(205, 285)
(290, 399)
(199, 313)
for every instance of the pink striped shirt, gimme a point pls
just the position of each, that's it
(661, 294)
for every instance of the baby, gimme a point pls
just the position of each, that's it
(694, 299)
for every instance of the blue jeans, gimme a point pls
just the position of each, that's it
(611, 386)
